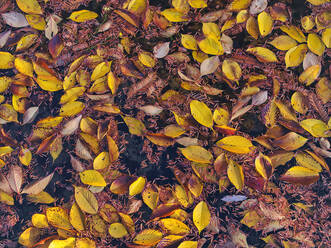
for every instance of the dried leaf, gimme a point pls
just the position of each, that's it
(86, 200)
(15, 178)
(300, 175)
(15, 19)
(37, 186)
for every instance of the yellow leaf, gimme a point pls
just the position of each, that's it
(83, 15)
(170, 240)
(127, 222)
(211, 30)
(67, 243)
(71, 108)
(146, 59)
(7, 60)
(263, 166)
(150, 196)
(211, 46)
(77, 218)
(237, 5)
(283, 42)
(26, 41)
(92, 177)
(117, 230)
(323, 89)
(305, 160)
(294, 32)
(113, 82)
(173, 131)
(235, 174)
(100, 70)
(300, 175)
(50, 83)
(221, 116)
(199, 56)
(201, 216)
(29, 6)
(188, 244)
(197, 154)
(236, 144)
(197, 4)
(307, 22)
(318, 2)
(72, 94)
(174, 226)
(265, 23)
(8, 113)
(231, 70)
(286, 112)
(263, 54)
(23, 66)
(189, 42)
(195, 186)
(315, 44)
(201, 113)
(298, 102)
(58, 217)
(252, 27)
(315, 127)
(137, 7)
(137, 186)
(250, 219)
(5, 82)
(6, 198)
(242, 16)
(295, 55)
(86, 200)
(39, 220)
(228, 24)
(182, 196)
(290, 141)
(136, 127)
(326, 37)
(36, 22)
(29, 237)
(84, 243)
(148, 237)
(174, 15)
(310, 74)
(43, 197)
(101, 161)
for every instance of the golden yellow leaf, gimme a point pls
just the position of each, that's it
(323, 89)
(300, 175)
(201, 113)
(201, 216)
(298, 102)
(136, 127)
(86, 200)
(326, 37)
(197, 4)
(77, 218)
(58, 217)
(252, 27)
(66, 243)
(318, 2)
(315, 44)
(189, 42)
(174, 15)
(5, 82)
(83, 15)
(39, 220)
(173, 131)
(237, 5)
(211, 29)
(29, 6)
(92, 177)
(29, 237)
(197, 154)
(294, 32)
(285, 111)
(43, 197)
(7, 60)
(290, 141)
(26, 41)
(148, 237)
(8, 113)
(199, 56)
(100, 70)
(236, 144)
(137, 7)
(6, 198)
(310, 74)
(221, 116)
(23, 66)
(307, 22)
(36, 22)
(50, 83)
(84, 243)
(72, 94)
(250, 219)
(147, 59)
(228, 24)
(235, 174)
(263, 54)
(181, 5)
(305, 160)
(113, 82)
(101, 161)
(283, 42)
(182, 195)
(188, 244)
(265, 23)
(71, 108)
(174, 226)
(242, 16)
(127, 221)
(211, 46)
(150, 196)
(117, 230)
(231, 70)
(295, 55)
(315, 127)
(195, 186)
(137, 186)
(263, 166)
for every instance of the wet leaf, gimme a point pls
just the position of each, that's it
(201, 216)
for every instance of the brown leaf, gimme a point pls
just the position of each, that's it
(15, 178)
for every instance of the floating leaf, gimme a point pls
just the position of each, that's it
(86, 200)
(235, 174)
(201, 113)
(197, 154)
(201, 216)
(83, 15)
(236, 144)
(300, 175)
